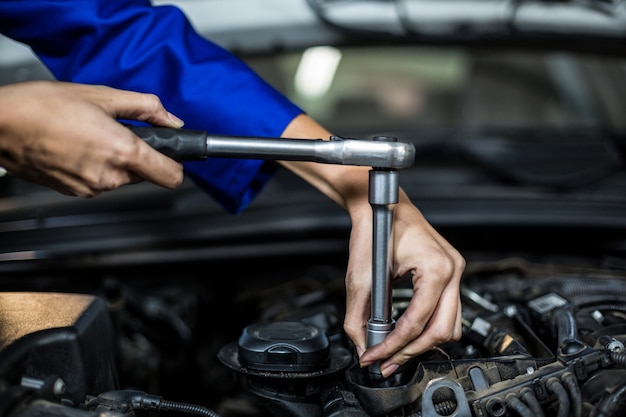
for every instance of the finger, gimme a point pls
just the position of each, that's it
(355, 324)
(357, 310)
(358, 288)
(458, 323)
(153, 166)
(445, 325)
(134, 178)
(65, 184)
(423, 308)
(126, 159)
(408, 328)
(140, 106)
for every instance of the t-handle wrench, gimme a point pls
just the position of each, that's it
(383, 195)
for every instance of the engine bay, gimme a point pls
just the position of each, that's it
(538, 339)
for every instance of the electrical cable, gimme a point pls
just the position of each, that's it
(187, 408)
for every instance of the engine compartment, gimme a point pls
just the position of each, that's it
(538, 339)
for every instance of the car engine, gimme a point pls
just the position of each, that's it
(538, 340)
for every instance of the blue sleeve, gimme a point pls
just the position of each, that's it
(136, 46)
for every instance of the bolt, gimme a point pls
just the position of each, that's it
(59, 387)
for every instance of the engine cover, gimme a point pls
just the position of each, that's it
(57, 335)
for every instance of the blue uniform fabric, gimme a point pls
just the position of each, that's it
(134, 45)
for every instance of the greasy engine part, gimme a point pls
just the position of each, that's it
(536, 342)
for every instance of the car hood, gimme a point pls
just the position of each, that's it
(589, 25)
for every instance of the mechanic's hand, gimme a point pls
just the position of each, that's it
(434, 313)
(433, 316)
(65, 136)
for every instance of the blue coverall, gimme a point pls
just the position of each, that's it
(134, 45)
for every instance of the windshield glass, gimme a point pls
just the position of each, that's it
(408, 87)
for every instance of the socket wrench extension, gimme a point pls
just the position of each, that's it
(383, 195)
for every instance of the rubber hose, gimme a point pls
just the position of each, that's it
(532, 402)
(555, 386)
(571, 383)
(518, 406)
(565, 323)
(619, 359)
(613, 405)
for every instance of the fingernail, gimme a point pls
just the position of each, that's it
(388, 370)
(177, 122)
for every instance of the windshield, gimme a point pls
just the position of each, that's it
(408, 87)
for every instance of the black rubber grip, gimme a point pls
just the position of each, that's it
(178, 144)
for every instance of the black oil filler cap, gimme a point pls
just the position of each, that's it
(284, 346)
